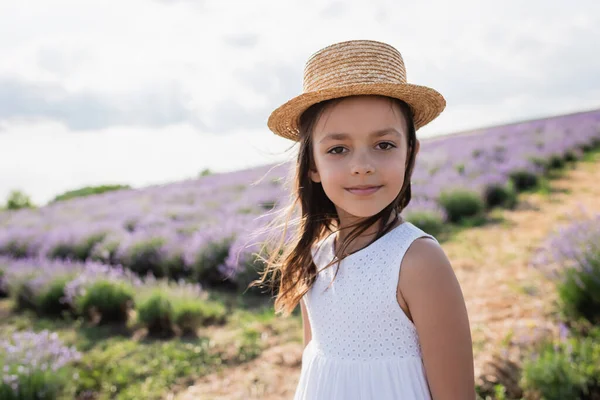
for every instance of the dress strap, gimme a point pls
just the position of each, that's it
(401, 244)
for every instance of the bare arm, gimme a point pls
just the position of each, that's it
(437, 307)
(305, 324)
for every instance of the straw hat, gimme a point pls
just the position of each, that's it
(355, 67)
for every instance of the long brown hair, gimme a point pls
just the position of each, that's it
(289, 267)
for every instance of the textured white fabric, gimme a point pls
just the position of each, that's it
(363, 345)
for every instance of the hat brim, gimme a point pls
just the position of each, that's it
(426, 104)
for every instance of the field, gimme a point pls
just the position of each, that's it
(148, 288)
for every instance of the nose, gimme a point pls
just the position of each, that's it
(362, 164)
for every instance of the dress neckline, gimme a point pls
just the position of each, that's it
(331, 239)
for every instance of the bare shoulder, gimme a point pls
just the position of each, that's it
(425, 258)
(435, 300)
(427, 278)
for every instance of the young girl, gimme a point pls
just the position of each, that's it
(390, 322)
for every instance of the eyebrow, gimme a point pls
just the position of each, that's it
(378, 133)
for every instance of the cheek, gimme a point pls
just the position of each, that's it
(332, 175)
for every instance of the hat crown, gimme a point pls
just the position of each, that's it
(353, 62)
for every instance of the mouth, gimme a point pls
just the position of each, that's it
(363, 190)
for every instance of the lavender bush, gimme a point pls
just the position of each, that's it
(102, 293)
(188, 229)
(571, 257)
(163, 305)
(35, 366)
(38, 283)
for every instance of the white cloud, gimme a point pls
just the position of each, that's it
(166, 80)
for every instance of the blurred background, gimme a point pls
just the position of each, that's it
(136, 168)
(146, 92)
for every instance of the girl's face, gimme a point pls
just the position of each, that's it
(360, 141)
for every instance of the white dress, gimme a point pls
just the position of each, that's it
(363, 345)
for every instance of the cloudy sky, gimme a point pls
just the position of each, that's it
(143, 92)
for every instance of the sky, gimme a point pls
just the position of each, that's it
(145, 92)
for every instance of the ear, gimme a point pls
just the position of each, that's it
(417, 146)
(314, 175)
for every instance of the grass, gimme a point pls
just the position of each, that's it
(123, 363)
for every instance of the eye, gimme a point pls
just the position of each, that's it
(332, 150)
(387, 143)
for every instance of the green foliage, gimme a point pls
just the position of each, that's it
(539, 161)
(17, 200)
(570, 156)
(565, 370)
(145, 257)
(190, 314)
(429, 222)
(156, 313)
(461, 203)
(48, 302)
(106, 251)
(33, 384)
(3, 291)
(22, 294)
(120, 368)
(556, 161)
(109, 301)
(88, 191)
(77, 251)
(579, 290)
(166, 305)
(205, 267)
(523, 179)
(15, 248)
(499, 195)
(205, 172)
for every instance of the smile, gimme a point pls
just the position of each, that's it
(364, 192)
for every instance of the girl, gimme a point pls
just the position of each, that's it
(391, 322)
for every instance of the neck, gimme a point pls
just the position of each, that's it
(364, 239)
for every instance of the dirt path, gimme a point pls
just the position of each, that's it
(509, 302)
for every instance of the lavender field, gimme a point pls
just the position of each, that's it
(92, 268)
(201, 228)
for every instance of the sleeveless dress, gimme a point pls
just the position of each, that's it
(363, 345)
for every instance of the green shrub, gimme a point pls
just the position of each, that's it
(106, 251)
(145, 257)
(17, 200)
(163, 304)
(191, 314)
(571, 258)
(16, 248)
(50, 300)
(156, 313)
(108, 300)
(556, 161)
(428, 221)
(79, 250)
(579, 292)
(539, 162)
(523, 179)
(500, 195)
(24, 298)
(88, 191)
(570, 156)
(565, 370)
(205, 268)
(3, 289)
(461, 203)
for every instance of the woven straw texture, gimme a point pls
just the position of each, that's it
(356, 67)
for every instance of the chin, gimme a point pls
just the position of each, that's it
(361, 212)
